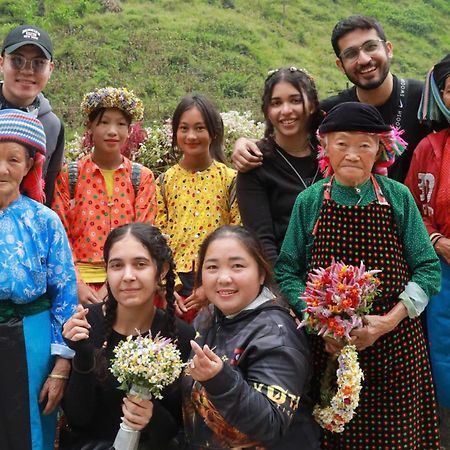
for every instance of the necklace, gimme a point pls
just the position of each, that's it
(295, 171)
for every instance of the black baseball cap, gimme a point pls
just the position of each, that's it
(28, 35)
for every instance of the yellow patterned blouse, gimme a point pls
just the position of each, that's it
(193, 204)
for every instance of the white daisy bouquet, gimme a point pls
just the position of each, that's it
(143, 366)
(147, 362)
(337, 298)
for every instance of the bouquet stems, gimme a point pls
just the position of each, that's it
(127, 438)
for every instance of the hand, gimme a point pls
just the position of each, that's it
(373, 329)
(53, 388)
(332, 345)
(246, 155)
(196, 300)
(205, 364)
(442, 248)
(87, 295)
(180, 308)
(102, 293)
(136, 412)
(77, 327)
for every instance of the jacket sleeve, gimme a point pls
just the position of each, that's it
(419, 254)
(291, 268)
(255, 211)
(422, 183)
(262, 405)
(145, 201)
(54, 166)
(61, 284)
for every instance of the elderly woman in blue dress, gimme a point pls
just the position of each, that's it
(37, 291)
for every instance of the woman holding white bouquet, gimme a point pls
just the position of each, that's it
(138, 259)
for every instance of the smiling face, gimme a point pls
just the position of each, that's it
(110, 131)
(132, 274)
(288, 110)
(15, 163)
(193, 138)
(230, 275)
(367, 71)
(352, 155)
(21, 87)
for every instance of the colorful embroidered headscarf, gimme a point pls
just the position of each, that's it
(23, 128)
(361, 118)
(432, 107)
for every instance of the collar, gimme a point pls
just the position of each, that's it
(265, 295)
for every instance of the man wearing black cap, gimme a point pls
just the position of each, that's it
(27, 63)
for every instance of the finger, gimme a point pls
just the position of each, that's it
(54, 396)
(134, 419)
(44, 391)
(210, 354)
(181, 305)
(198, 351)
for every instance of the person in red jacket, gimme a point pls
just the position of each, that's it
(429, 181)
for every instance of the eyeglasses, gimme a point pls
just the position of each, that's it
(370, 47)
(37, 65)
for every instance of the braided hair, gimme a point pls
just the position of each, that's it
(153, 240)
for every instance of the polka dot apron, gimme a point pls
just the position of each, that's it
(397, 404)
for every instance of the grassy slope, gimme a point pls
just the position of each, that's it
(163, 49)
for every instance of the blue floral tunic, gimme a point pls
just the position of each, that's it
(35, 261)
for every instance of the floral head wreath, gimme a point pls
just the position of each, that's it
(110, 97)
(291, 69)
(393, 146)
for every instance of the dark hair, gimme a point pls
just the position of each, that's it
(303, 83)
(212, 118)
(153, 240)
(247, 239)
(97, 115)
(353, 23)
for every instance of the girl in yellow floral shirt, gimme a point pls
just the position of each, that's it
(198, 194)
(104, 189)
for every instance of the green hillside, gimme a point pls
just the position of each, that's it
(165, 48)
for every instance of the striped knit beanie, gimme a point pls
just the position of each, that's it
(23, 128)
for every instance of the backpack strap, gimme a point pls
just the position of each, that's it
(162, 187)
(136, 169)
(72, 169)
(401, 105)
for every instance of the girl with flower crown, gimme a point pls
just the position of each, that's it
(137, 259)
(104, 189)
(357, 215)
(267, 193)
(198, 194)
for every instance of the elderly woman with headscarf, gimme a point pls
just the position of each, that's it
(37, 291)
(429, 181)
(356, 215)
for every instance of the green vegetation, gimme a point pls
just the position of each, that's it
(163, 49)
